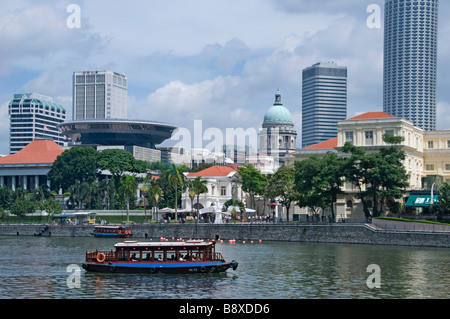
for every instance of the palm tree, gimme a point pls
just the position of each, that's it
(107, 188)
(156, 192)
(128, 185)
(177, 179)
(191, 193)
(199, 187)
(144, 190)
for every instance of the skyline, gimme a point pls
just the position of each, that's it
(191, 61)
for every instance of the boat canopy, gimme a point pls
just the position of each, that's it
(181, 245)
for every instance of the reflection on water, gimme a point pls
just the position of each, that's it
(35, 267)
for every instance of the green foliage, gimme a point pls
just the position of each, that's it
(282, 185)
(253, 181)
(23, 206)
(177, 179)
(128, 186)
(443, 205)
(76, 163)
(377, 176)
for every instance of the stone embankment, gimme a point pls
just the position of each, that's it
(333, 233)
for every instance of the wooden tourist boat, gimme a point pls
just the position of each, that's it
(112, 231)
(187, 257)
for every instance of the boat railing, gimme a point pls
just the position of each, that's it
(101, 256)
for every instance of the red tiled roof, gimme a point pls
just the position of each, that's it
(332, 143)
(329, 144)
(213, 171)
(38, 151)
(371, 115)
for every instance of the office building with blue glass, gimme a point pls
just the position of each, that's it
(324, 101)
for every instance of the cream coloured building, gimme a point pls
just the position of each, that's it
(427, 154)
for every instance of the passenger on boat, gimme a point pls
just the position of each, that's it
(133, 257)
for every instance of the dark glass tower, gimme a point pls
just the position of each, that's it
(410, 60)
(324, 101)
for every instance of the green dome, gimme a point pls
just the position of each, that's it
(278, 113)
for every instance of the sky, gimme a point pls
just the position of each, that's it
(215, 61)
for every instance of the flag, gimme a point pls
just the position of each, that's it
(46, 128)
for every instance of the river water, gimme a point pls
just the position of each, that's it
(46, 268)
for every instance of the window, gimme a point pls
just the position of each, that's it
(448, 143)
(430, 144)
(349, 204)
(349, 137)
(447, 167)
(429, 167)
(369, 137)
(223, 191)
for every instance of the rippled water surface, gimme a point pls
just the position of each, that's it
(36, 267)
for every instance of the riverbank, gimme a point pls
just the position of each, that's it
(332, 233)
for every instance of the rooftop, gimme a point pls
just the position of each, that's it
(37, 152)
(371, 116)
(329, 144)
(214, 171)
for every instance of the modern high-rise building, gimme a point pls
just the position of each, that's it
(410, 60)
(99, 95)
(324, 101)
(34, 117)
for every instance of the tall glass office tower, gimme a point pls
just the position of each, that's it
(99, 95)
(324, 101)
(410, 60)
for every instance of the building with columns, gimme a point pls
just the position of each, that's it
(29, 167)
(222, 183)
(427, 155)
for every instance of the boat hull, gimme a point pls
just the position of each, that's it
(161, 268)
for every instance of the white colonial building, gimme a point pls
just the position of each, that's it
(222, 183)
(427, 153)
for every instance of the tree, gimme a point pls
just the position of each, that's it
(5, 196)
(443, 204)
(77, 163)
(156, 192)
(378, 175)
(51, 206)
(108, 190)
(282, 185)
(23, 206)
(253, 182)
(128, 185)
(332, 176)
(310, 185)
(145, 188)
(118, 161)
(178, 180)
(199, 187)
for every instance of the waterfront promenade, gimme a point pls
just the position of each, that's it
(329, 233)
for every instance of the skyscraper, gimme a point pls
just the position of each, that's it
(99, 95)
(34, 117)
(410, 60)
(324, 101)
